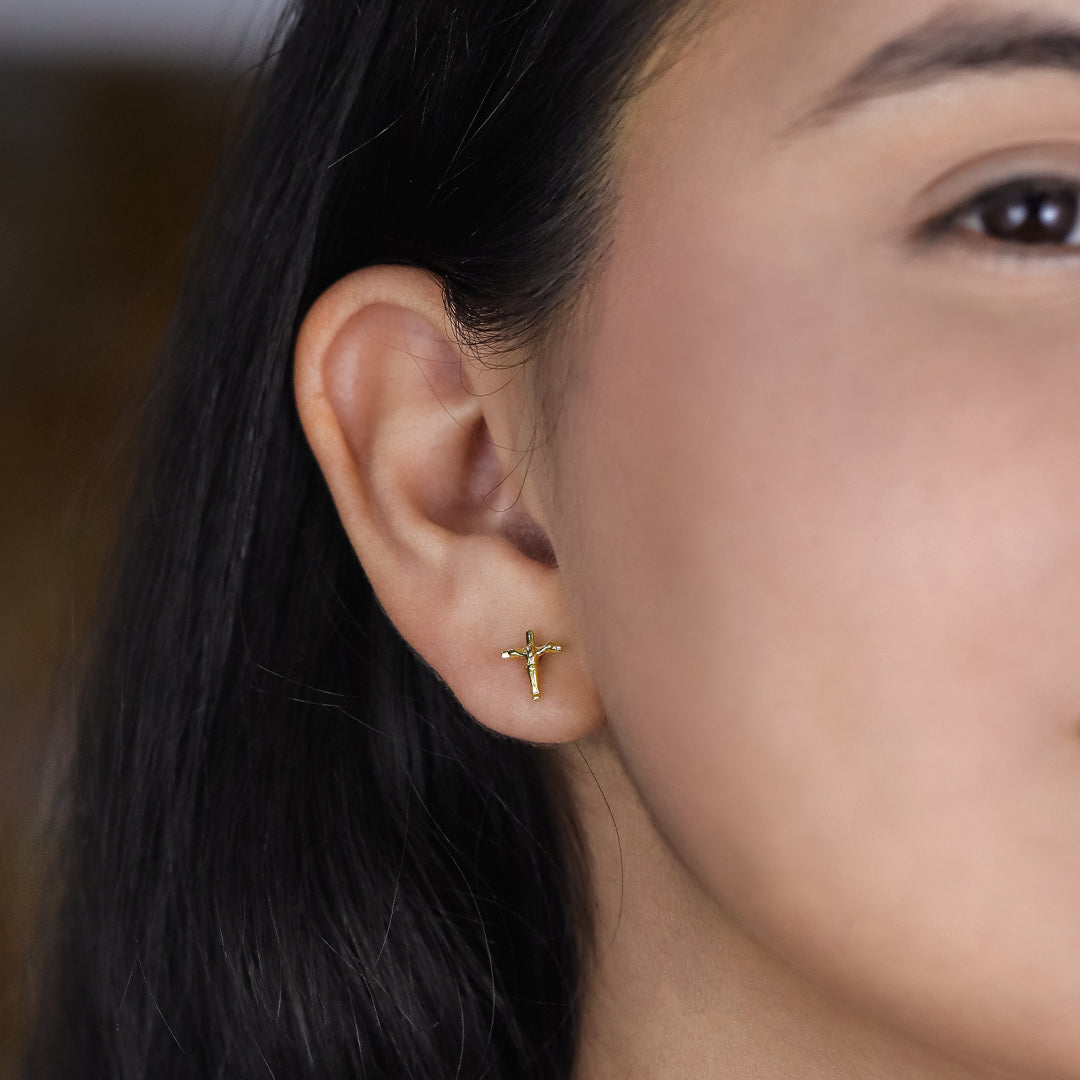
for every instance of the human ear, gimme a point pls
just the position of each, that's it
(386, 396)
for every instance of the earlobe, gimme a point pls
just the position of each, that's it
(387, 399)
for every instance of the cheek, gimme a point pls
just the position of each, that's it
(828, 565)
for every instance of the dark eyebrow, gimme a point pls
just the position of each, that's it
(956, 40)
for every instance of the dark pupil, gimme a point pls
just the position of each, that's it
(1031, 216)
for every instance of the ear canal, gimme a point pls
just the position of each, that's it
(515, 524)
(531, 541)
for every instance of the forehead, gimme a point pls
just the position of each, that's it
(805, 62)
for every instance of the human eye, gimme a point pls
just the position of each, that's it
(1026, 216)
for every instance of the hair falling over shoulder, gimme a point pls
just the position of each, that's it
(286, 850)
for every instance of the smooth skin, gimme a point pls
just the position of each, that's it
(813, 484)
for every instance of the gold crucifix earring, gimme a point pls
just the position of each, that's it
(530, 654)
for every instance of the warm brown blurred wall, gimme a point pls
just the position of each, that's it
(103, 172)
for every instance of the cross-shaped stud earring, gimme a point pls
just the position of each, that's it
(530, 654)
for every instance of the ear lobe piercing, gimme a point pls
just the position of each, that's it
(530, 654)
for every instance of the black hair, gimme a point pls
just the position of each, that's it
(289, 853)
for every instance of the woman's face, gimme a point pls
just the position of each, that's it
(815, 491)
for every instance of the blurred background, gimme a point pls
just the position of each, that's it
(112, 116)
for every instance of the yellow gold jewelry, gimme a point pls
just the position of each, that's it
(530, 655)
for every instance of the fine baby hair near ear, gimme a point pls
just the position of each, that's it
(401, 416)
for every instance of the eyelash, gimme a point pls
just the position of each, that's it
(969, 218)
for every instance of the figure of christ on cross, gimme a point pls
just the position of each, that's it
(530, 655)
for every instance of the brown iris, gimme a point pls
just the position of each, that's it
(1029, 213)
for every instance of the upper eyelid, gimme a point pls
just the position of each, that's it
(1021, 181)
(1034, 159)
